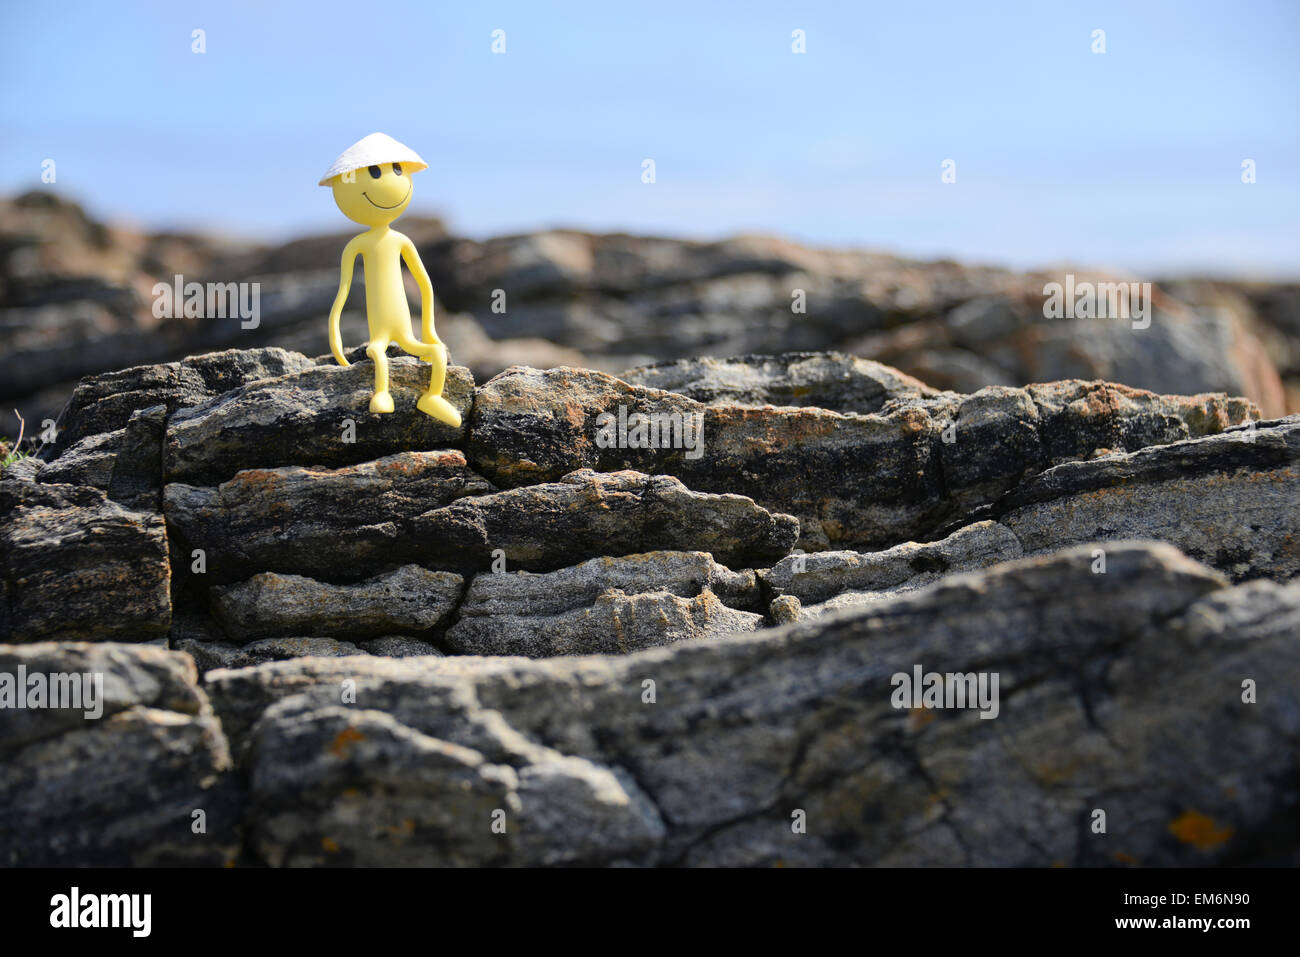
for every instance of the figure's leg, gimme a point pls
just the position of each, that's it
(431, 401)
(381, 401)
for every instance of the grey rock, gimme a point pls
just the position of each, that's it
(282, 648)
(398, 646)
(685, 574)
(120, 789)
(88, 462)
(614, 623)
(136, 480)
(826, 380)
(589, 514)
(23, 470)
(301, 418)
(126, 463)
(331, 524)
(105, 402)
(409, 599)
(816, 577)
(1104, 680)
(919, 463)
(211, 655)
(1228, 500)
(74, 565)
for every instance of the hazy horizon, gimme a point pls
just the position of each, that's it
(1127, 160)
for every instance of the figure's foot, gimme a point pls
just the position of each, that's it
(439, 408)
(381, 402)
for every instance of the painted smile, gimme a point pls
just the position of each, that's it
(395, 205)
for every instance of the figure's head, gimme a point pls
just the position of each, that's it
(372, 179)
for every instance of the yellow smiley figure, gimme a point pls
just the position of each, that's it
(372, 186)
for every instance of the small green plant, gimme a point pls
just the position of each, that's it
(11, 452)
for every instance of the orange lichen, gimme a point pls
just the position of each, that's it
(1199, 830)
(344, 740)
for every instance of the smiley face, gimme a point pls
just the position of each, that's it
(375, 195)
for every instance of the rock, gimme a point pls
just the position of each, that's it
(398, 646)
(589, 514)
(331, 524)
(126, 463)
(685, 574)
(88, 462)
(105, 402)
(22, 470)
(880, 478)
(825, 380)
(269, 605)
(280, 649)
(211, 655)
(784, 609)
(136, 480)
(822, 575)
(121, 788)
(614, 623)
(1228, 500)
(1103, 684)
(302, 419)
(74, 565)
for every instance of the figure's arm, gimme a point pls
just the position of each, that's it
(336, 310)
(421, 275)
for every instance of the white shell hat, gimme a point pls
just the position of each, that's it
(371, 151)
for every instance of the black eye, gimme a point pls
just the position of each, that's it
(375, 172)
(397, 168)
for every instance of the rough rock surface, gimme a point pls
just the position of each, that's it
(1230, 500)
(332, 524)
(605, 605)
(878, 478)
(104, 403)
(319, 416)
(348, 604)
(269, 605)
(1119, 691)
(824, 380)
(74, 565)
(587, 514)
(822, 575)
(120, 787)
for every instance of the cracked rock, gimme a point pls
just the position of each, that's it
(409, 599)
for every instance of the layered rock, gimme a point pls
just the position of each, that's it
(1119, 691)
(824, 380)
(588, 514)
(339, 524)
(105, 402)
(857, 577)
(410, 600)
(605, 605)
(75, 565)
(320, 416)
(852, 479)
(1228, 500)
(137, 773)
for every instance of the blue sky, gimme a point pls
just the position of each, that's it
(1129, 159)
